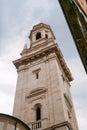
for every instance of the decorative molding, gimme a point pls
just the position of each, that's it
(60, 125)
(45, 52)
(36, 92)
(65, 79)
(68, 101)
(37, 70)
(35, 98)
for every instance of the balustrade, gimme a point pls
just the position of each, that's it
(36, 125)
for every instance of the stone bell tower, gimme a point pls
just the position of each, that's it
(43, 98)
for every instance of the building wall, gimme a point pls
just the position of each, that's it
(27, 82)
(54, 108)
(83, 4)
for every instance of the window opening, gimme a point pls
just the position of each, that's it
(38, 113)
(46, 36)
(37, 75)
(38, 35)
(69, 114)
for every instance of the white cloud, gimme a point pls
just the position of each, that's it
(79, 90)
(82, 121)
(8, 74)
(6, 103)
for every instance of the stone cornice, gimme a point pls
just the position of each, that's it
(42, 59)
(45, 52)
(60, 125)
(64, 65)
(33, 56)
(45, 43)
(55, 126)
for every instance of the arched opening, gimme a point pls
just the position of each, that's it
(38, 35)
(38, 113)
(46, 36)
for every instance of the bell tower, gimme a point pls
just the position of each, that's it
(43, 99)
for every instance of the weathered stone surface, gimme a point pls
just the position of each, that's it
(49, 89)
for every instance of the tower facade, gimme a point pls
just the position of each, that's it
(43, 98)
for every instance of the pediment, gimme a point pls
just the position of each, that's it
(35, 92)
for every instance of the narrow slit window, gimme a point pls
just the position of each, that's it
(69, 114)
(37, 75)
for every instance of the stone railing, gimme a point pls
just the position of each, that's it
(36, 125)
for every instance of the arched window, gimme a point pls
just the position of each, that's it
(38, 113)
(46, 36)
(38, 35)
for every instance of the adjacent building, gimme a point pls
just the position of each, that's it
(83, 4)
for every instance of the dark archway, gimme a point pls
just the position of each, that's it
(38, 35)
(46, 36)
(38, 113)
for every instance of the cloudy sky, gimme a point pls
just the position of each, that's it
(16, 20)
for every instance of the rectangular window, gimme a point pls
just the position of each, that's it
(37, 75)
(36, 72)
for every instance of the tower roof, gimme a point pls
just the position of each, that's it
(40, 25)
